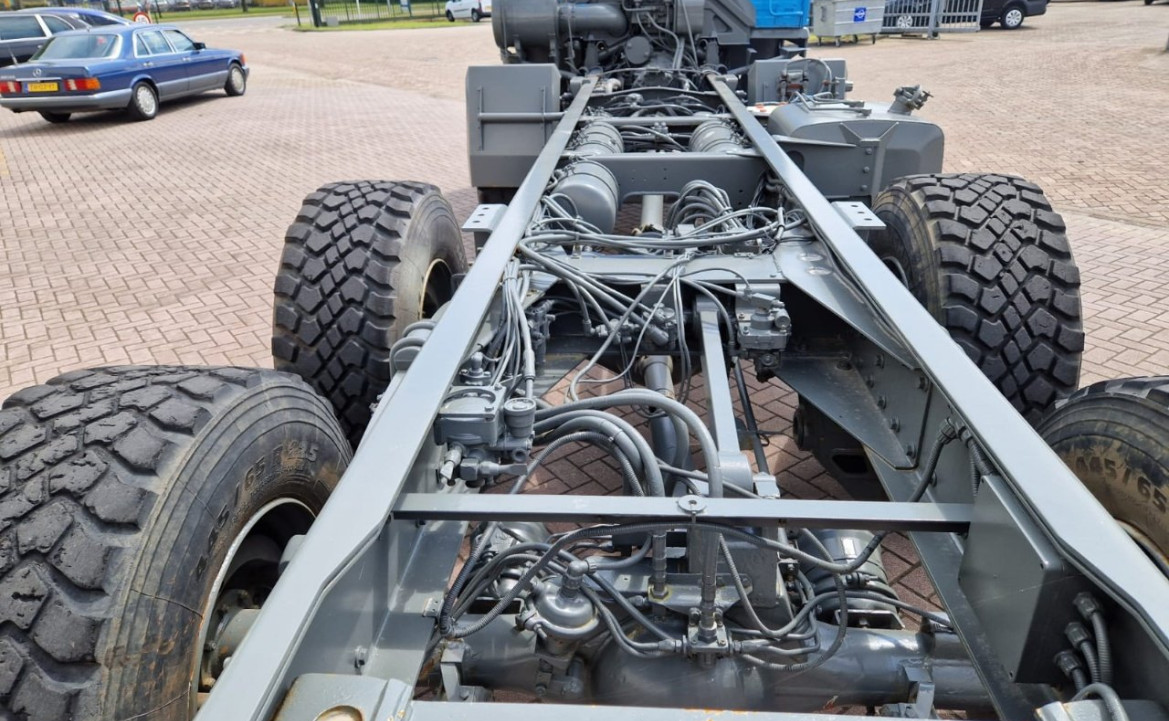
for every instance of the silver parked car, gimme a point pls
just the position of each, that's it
(22, 33)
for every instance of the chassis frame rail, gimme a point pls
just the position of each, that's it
(381, 528)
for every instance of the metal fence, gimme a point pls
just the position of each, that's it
(931, 17)
(336, 12)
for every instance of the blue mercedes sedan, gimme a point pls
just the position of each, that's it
(118, 67)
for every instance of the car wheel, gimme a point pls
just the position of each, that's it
(56, 117)
(1013, 17)
(476, 16)
(143, 102)
(450, 16)
(237, 81)
(903, 22)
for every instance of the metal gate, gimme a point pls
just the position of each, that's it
(931, 17)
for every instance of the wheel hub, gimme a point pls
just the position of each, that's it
(242, 583)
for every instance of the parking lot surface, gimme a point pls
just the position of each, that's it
(157, 242)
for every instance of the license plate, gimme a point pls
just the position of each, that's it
(43, 87)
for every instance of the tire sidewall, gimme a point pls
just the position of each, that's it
(241, 462)
(1115, 446)
(901, 244)
(432, 235)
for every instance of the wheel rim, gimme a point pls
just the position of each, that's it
(904, 21)
(1155, 554)
(237, 80)
(1014, 17)
(436, 288)
(295, 517)
(144, 97)
(895, 266)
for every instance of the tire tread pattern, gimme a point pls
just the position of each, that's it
(1154, 389)
(80, 462)
(1009, 287)
(335, 305)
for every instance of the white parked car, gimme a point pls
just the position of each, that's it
(474, 9)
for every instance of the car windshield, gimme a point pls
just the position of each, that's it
(79, 47)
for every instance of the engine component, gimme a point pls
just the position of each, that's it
(638, 50)
(533, 23)
(854, 150)
(763, 328)
(479, 424)
(715, 136)
(845, 547)
(560, 610)
(592, 192)
(598, 138)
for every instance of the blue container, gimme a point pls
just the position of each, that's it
(781, 13)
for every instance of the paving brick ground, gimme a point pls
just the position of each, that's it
(156, 242)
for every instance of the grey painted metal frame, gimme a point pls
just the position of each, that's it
(867, 515)
(1076, 522)
(358, 510)
(375, 490)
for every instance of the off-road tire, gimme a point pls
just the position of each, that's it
(122, 490)
(361, 262)
(1113, 436)
(55, 118)
(140, 108)
(237, 81)
(990, 260)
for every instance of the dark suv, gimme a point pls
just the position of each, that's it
(22, 33)
(914, 14)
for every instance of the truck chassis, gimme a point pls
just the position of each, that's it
(759, 241)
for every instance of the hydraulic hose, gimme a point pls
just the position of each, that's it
(1107, 695)
(545, 560)
(610, 430)
(641, 397)
(448, 602)
(1090, 660)
(1103, 648)
(623, 433)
